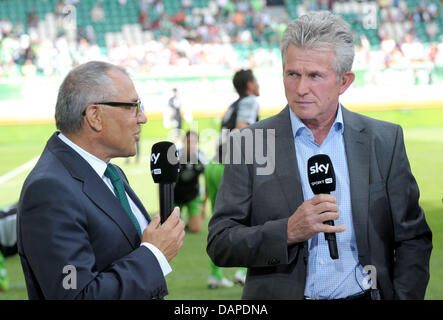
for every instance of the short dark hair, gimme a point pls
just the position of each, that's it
(241, 79)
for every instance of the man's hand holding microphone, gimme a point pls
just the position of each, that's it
(318, 213)
(167, 237)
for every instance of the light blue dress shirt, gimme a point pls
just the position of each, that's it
(328, 278)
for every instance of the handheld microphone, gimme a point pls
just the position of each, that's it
(321, 178)
(165, 169)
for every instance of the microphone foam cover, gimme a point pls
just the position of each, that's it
(165, 166)
(321, 174)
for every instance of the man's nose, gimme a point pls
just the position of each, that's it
(302, 87)
(141, 117)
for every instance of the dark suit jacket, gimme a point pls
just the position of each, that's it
(68, 216)
(249, 224)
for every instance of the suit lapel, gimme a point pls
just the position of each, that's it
(94, 188)
(132, 194)
(357, 154)
(136, 200)
(286, 163)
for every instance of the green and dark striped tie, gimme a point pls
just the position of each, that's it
(120, 193)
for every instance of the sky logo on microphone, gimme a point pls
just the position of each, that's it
(154, 157)
(319, 168)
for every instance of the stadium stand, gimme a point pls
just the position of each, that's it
(55, 35)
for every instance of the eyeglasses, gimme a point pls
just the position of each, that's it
(138, 104)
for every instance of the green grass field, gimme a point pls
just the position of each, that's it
(423, 131)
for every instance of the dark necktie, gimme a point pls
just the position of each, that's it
(120, 193)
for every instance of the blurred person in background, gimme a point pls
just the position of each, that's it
(187, 191)
(175, 115)
(241, 113)
(97, 13)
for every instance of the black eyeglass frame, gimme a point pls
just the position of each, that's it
(137, 104)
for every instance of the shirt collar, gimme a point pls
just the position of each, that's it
(298, 126)
(98, 165)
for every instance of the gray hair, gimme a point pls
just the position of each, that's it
(84, 85)
(321, 30)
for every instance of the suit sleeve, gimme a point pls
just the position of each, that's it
(54, 234)
(413, 238)
(234, 238)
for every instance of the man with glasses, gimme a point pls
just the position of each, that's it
(82, 231)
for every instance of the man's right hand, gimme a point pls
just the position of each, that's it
(308, 219)
(168, 237)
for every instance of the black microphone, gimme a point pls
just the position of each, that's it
(165, 169)
(321, 177)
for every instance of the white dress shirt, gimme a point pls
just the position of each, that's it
(99, 167)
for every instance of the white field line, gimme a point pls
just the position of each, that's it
(17, 171)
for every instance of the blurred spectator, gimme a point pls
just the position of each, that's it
(97, 13)
(186, 4)
(145, 4)
(198, 39)
(257, 5)
(29, 70)
(159, 7)
(10, 70)
(18, 27)
(431, 29)
(238, 18)
(412, 49)
(5, 26)
(32, 23)
(313, 5)
(32, 19)
(179, 18)
(143, 19)
(322, 4)
(433, 10)
(87, 33)
(59, 13)
(229, 7)
(242, 6)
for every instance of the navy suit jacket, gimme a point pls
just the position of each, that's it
(67, 216)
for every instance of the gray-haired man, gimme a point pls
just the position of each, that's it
(273, 224)
(82, 231)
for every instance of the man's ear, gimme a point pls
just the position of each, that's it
(346, 80)
(94, 117)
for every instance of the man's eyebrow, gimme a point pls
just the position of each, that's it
(308, 72)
